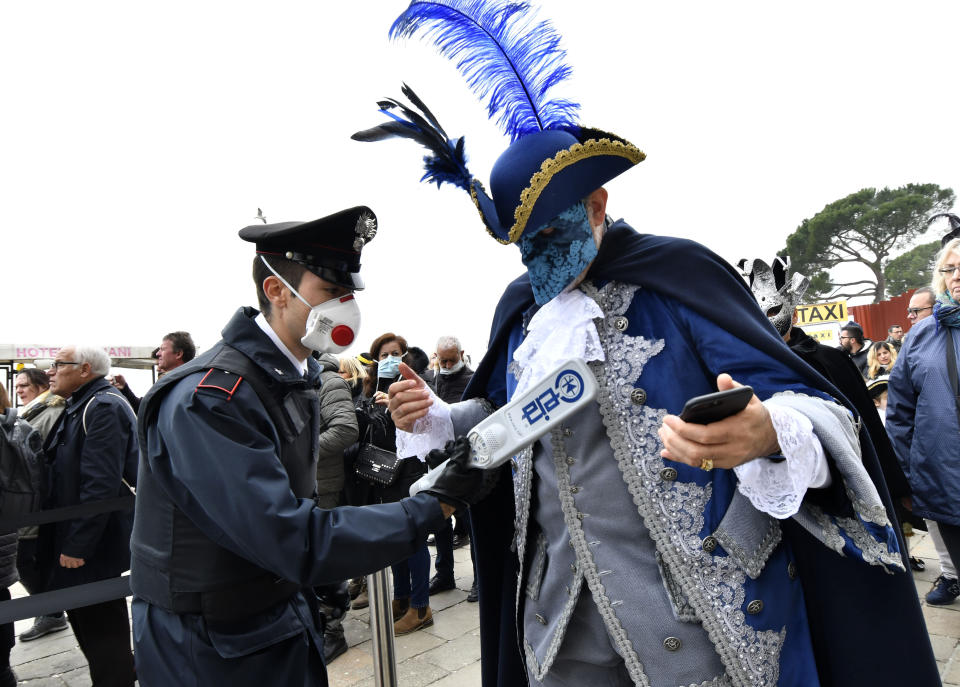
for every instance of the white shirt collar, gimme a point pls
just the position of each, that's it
(268, 330)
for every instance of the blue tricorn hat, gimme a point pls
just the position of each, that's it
(542, 174)
(511, 61)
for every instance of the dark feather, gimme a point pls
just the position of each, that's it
(507, 57)
(954, 227)
(446, 163)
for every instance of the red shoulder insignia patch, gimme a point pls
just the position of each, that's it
(220, 380)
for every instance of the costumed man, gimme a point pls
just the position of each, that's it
(228, 540)
(756, 550)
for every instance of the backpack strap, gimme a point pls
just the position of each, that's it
(83, 420)
(106, 393)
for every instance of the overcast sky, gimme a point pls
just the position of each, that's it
(138, 138)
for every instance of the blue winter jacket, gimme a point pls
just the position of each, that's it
(922, 421)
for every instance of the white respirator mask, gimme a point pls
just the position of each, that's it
(453, 369)
(331, 326)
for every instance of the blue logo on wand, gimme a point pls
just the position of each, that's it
(568, 388)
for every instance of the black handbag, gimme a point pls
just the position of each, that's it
(376, 464)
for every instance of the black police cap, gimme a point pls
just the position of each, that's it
(329, 247)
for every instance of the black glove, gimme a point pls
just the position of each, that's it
(459, 484)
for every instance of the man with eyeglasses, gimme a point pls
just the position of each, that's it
(895, 336)
(921, 304)
(853, 342)
(92, 451)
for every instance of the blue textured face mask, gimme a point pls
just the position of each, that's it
(389, 367)
(556, 259)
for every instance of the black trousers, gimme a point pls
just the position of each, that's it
(443, 539)
(6, 634)
(33, 576)
(103, 633)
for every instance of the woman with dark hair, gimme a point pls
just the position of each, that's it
(411, 578)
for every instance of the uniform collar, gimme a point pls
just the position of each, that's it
(243, 333)
(261, 321)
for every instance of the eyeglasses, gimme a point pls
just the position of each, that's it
(917, 311)
(57, 364)
(948, 270)
(845, 337)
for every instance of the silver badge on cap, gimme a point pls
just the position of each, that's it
(365, 230)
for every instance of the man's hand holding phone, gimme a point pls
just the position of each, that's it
(745, 434)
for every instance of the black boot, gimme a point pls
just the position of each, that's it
(334, 643)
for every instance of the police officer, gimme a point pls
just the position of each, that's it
(227, 540)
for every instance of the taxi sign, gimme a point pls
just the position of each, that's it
(822, 313)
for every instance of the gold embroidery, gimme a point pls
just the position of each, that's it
(559, 162)
(473, 195)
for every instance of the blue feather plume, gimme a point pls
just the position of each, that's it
(446, 162)
(506, 56)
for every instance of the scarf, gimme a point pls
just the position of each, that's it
(947, 311)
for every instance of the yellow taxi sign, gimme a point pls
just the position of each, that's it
(835, 311)
(821, 335)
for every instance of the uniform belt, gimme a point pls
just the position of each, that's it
(237, 602)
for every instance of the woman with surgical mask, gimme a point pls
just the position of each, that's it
(411, 578)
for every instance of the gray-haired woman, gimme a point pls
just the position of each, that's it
(923, 405)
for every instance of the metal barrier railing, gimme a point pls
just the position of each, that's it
(76, 596)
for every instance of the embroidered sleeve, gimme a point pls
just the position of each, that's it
(429, 432)
(778, 487)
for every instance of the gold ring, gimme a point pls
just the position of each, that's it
(706, 464)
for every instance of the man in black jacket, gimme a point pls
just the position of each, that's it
(856, 346)
(448, 382)
(93, 453)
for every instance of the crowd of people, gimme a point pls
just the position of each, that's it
(88, 422)
(626, 546)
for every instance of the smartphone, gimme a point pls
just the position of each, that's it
(714, 407)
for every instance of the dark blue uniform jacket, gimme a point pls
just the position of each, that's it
(215, 454)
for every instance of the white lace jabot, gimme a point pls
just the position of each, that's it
(560, 330)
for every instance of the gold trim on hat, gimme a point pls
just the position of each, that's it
(559, 162)
(476, 202)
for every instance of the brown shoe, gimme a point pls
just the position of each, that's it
(414, 619)
(400, 607)
(362, 601)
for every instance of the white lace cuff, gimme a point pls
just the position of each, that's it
(431, 431)
(778, 488)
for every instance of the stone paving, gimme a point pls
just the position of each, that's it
(446, 654)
